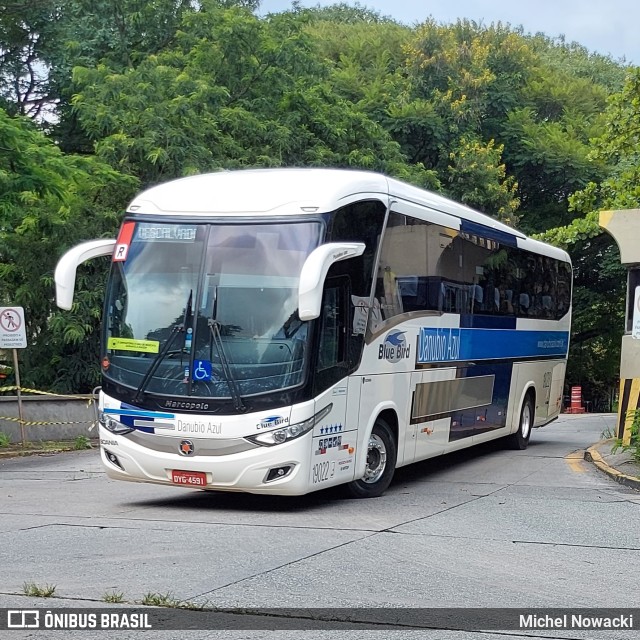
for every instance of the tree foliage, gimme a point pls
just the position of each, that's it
(529, 129)
(49, 202)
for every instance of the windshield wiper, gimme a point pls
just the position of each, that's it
(175, 330)
(292, 325)
(238, 404)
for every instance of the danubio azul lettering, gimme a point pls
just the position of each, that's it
(438, 345)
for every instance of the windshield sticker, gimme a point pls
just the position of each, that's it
(129, 344)
(202, 370)
(124, 240)
(166, 233)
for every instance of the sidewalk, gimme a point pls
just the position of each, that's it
(620, 466)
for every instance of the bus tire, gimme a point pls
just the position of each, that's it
(520, 439)
(382, 452)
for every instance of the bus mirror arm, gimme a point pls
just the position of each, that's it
(314, 271)
(65, 274)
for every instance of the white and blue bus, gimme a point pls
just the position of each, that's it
(280, 331)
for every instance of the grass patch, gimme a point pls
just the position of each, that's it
(607, 433)
(160, 600)
(81, 442)
(113, 597)
(5, 440)
(32, 589)
(152, 599)
(633, 446)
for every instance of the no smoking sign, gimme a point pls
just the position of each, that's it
(12, 329)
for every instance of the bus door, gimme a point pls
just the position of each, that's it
(334, 437)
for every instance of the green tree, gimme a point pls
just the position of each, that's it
(478, 178)
(468, 81)
(49, 202)
(233, 90)
(600, 281)
(28, 36)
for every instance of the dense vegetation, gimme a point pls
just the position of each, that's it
(99, 99)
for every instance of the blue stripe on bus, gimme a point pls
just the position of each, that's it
(503, 237)
(138, 413)
(129, 415)
(458, 345)
(479, 321)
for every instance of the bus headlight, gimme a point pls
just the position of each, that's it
(293, 431)
(110, 424)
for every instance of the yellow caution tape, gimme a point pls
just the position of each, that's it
(37, 391)
(31, 423)
(90, 401)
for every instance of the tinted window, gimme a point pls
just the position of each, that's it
(426, 267)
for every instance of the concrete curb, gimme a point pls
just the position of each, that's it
(592, 455)
(16, 453)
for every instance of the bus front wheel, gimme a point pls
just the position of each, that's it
(381, 463)
(520, 439)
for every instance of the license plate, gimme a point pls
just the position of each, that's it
(189, 478)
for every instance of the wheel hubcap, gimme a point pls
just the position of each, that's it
(376, 459)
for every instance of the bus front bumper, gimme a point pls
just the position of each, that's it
(253, 471)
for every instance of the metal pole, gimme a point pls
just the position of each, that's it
(17, 372)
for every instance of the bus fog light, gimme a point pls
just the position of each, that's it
(278, 472)
(113, 458)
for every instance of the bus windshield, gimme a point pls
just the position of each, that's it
(208, 310)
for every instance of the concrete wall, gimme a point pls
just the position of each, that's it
(79, 410)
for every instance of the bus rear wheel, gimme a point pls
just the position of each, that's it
(381, 463)
(520, 439)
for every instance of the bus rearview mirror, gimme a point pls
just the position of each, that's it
(314, 271)
(65, 274)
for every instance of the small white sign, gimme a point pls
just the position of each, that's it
(12, 330)
(635, 326)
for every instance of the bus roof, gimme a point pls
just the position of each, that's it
(287, 191)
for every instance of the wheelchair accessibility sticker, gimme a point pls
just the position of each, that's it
(202, 370)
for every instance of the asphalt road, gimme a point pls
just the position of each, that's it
(487, 527)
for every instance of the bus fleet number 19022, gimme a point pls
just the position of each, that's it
(323, 471)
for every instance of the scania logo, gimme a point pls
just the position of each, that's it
(186, 447)
(271, 422)
(394, 348)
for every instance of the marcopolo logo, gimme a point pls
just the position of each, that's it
(394, 348)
